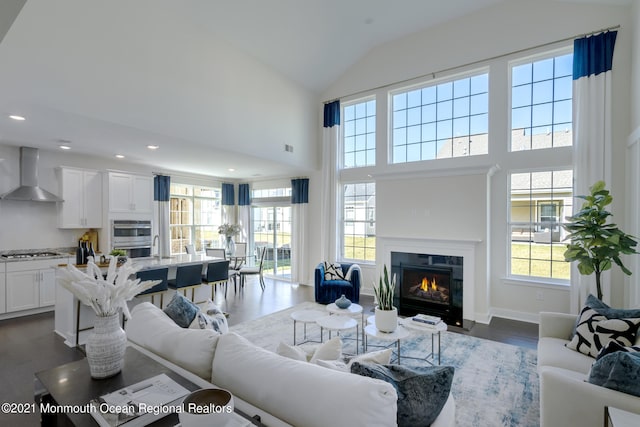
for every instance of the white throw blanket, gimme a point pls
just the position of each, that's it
(354, 267)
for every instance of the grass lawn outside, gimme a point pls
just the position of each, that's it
(539, 260)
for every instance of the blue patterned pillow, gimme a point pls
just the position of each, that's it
(181, 310)
(422, 391)
(618, 371)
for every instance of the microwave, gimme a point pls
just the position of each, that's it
(133, 236)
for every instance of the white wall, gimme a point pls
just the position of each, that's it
(500, 30)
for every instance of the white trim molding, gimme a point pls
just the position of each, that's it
(462, 248)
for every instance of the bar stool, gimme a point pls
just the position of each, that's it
(160, 288)
(217, 273)
(187, 277)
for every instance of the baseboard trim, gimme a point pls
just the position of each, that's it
(515, 315)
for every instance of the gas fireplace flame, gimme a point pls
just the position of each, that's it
(426, 285)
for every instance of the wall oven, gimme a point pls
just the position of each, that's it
(132, 236)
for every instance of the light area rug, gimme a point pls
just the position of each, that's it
(494, 384)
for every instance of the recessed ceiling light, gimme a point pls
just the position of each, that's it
(231, 170)
(120, 156)
(153, 147)
(14, 117)
(65, 147)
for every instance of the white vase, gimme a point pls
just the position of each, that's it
(106, 346)
(386, 320)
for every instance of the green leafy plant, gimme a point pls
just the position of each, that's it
(118, 252)
(595, 244)
(384, 291)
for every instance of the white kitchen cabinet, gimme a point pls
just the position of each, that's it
(130, 193)
(30, 284)
(3, 290)
(81, 190)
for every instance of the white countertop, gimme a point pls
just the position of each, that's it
(149, 263)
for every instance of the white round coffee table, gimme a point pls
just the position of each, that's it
(339, 324)
(349, 311)
(304, 317)
(421, 328)
(370, 331)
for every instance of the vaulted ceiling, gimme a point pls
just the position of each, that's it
(215, 84)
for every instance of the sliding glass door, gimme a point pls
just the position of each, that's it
(272, 229)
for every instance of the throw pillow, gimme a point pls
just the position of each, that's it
(380, 357)
(422, 392)
(217, 316)
(614, 346)
(181, 310)
(291, 352)
(330, 350)
(333, 271)
(595, 331)
(609, 312)
(618, 371)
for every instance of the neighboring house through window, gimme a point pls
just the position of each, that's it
(540, 198)
(359, 222)
(195, 215)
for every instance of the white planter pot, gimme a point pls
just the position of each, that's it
(386, 320)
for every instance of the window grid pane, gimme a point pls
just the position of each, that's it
(360, 132)
(541, 104)
(539, 204)
(359, 223)
(194, 216)
(441, 121)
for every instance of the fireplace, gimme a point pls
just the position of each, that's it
(429, 284)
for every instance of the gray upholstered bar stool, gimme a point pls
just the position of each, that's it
(187, 277)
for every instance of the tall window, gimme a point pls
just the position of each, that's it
(359, 143)
(539, 203)
(450, 119)
(195, 215)
(541, 98)
(359, 222)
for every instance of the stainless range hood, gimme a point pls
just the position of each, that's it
(29, 190)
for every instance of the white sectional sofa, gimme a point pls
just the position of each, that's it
(281, 391)
(566, 398)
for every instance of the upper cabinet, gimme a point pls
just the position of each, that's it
(130, 193)
(81, 190)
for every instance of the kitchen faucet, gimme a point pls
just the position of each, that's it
(154, 241)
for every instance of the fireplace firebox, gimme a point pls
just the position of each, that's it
(429, 284)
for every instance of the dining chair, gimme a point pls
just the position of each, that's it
(190, 249)
(246, 271)
(233, 273)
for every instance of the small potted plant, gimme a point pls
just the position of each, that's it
(120, 254)
(386, 314)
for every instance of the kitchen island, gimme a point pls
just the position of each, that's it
(71, 316)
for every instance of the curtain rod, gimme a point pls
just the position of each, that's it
(446, 70)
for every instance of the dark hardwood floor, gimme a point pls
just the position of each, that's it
(29, 344)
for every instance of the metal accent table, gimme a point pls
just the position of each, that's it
(304, 317)
(338, 324)
(371, 331)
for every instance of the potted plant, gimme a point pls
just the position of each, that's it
(120, 254)
(594, 243)
(386, 314)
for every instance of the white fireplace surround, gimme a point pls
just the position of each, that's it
(462, 248)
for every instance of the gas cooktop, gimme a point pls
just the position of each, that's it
(22, 255)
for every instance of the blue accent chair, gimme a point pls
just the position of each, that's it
(327, 291)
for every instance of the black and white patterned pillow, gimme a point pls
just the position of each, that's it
(595, 331)
(333, 271)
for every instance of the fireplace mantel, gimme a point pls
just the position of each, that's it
(455, 247)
